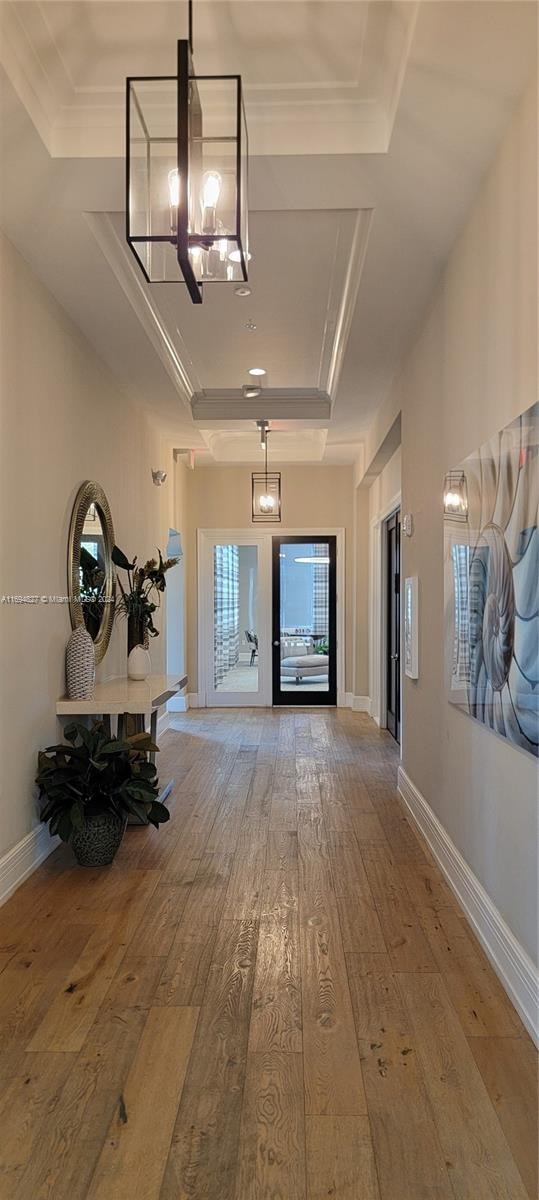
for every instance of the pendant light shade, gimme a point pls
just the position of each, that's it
(186, 176)
(265, 486)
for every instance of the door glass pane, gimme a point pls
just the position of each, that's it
(304, 618)
(235, 622)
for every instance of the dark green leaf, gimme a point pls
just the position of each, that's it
(71, 732)
(65, 827)
(119, 559)
(158, 813)
(76, 816)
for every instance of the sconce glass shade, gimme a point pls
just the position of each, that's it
(174, 544)
(266, 496)
(456, 496)
(186, 168)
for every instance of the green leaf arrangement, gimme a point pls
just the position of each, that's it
(94, 773)
(139, 600)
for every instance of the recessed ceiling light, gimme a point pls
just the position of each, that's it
(257, 371)
(235, 256)
(251, 391)
(243, 290)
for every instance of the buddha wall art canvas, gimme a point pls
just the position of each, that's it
(491, 577)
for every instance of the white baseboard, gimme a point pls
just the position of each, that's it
(179, 703)
(193, 701)
(22, 859)
(163, 723)
(356, 703)
(512, 964)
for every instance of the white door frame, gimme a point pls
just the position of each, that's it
(205, 538)
(207, 695)
(378, 640)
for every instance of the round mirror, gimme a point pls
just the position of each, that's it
(91, 576)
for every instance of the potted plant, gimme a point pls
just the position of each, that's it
(91, 785)
(138, 602)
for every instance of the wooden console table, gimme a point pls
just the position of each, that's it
(122, 697)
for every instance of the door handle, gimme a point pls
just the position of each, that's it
(276, 643)
(395, 657)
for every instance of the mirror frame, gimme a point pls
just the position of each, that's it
(91, 493)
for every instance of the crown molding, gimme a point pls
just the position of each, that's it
(348, 265)
(294, 118)
(213, 406)
(141, 300)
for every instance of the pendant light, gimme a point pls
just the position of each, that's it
(266, 485)
(186, 175)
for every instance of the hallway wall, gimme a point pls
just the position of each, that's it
(220, 498)
(472, 370)
(63, 419)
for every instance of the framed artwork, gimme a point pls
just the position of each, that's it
(411, 599)
(491, 583)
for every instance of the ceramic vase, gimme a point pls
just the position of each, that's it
(80, 665)
(139, 662)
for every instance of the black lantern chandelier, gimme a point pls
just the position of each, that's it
(266, 485)
(186, 166)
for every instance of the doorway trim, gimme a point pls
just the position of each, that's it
(377, 622)
(297, 698)
(245, 535)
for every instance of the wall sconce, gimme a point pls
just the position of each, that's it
(456, 496)
(158, 476)
(174, 544)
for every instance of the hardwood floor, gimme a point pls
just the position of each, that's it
(275, 997)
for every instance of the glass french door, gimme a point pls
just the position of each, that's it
(235, 587)
(304, 642)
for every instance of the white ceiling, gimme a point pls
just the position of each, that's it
(318, 76)
(371, 125)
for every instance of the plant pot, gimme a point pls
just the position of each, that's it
(139, 663)
(96, 844)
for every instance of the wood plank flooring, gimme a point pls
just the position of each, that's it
(274, 997)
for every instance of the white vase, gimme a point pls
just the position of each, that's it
(139, 663)
(80, 665)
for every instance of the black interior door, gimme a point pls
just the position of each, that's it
(393, 627)
(304, 620)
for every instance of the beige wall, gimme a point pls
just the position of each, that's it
(62, 420)
(472, 370)
(386, 487)
(312, 497)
